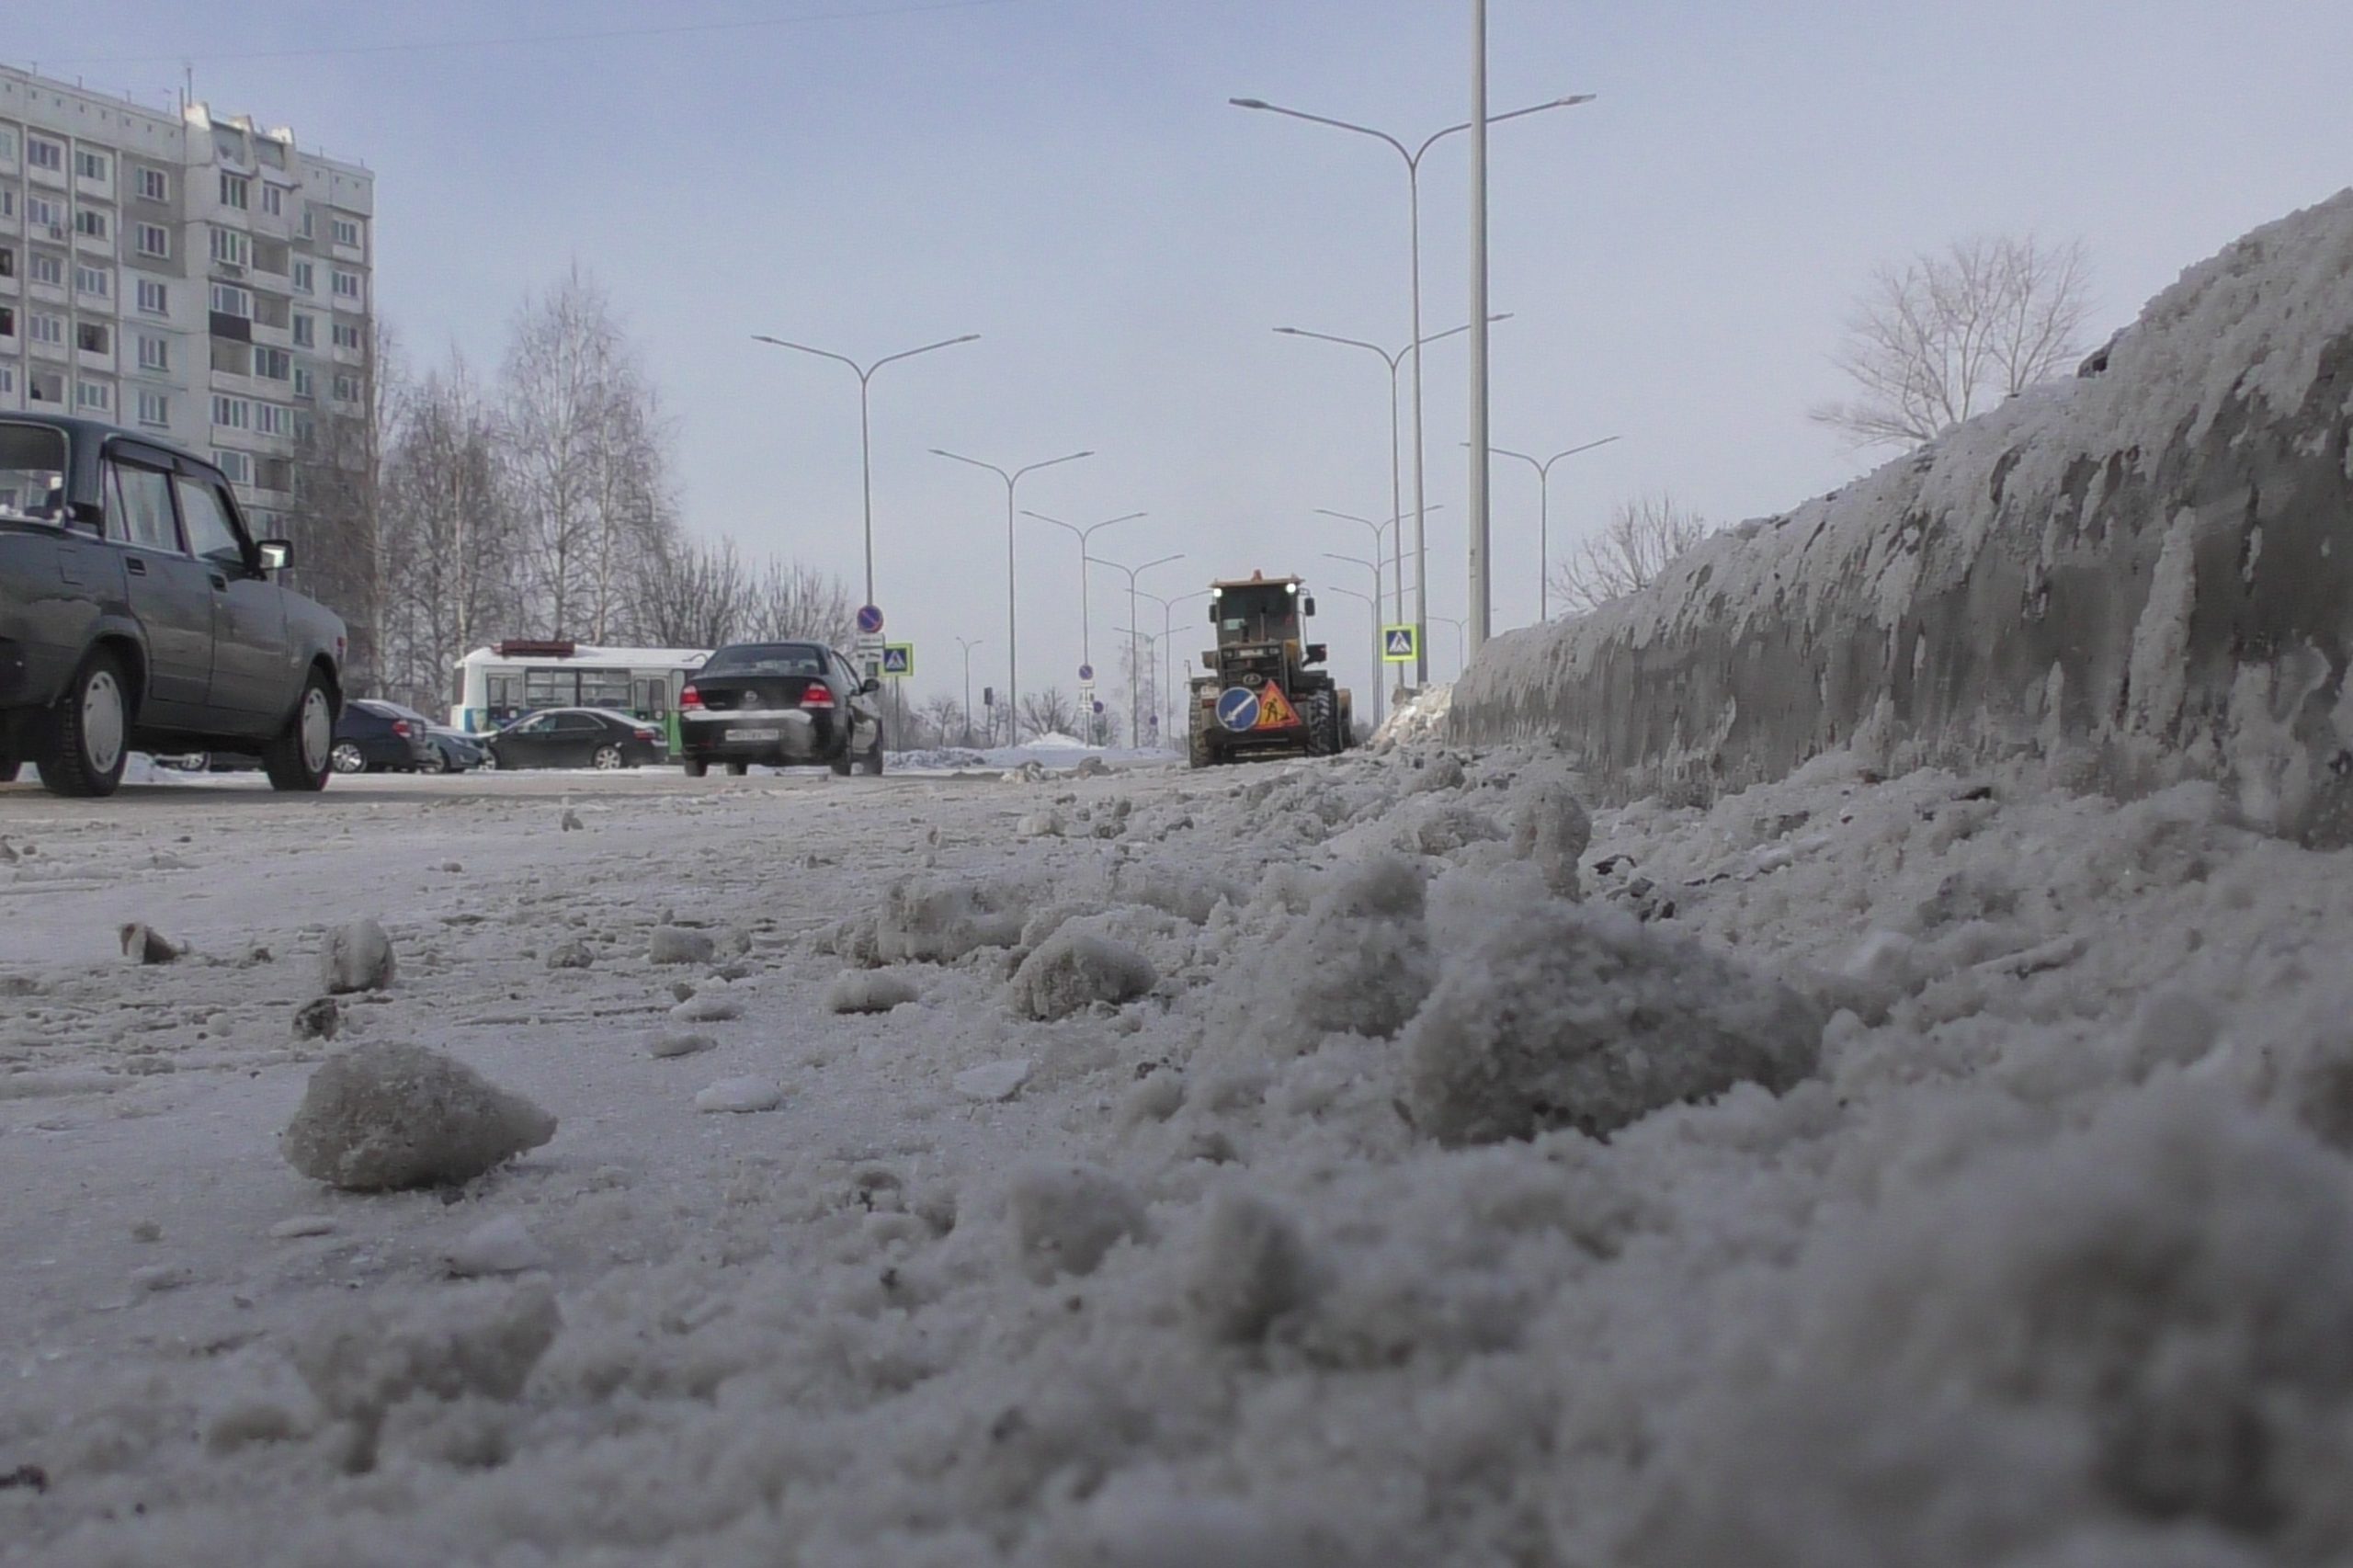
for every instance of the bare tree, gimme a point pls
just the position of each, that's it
(1943, 337)
(695, 594)
(940, 722)
(1048, 712)
(337, 476)
(792, 600)
(1643, 535)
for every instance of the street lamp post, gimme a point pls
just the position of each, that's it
(1086, 641)
(970, 644)
(1012, 630)
(1373, 605)
(1397, 582)
(1396, 501)
(1413, 214)
(1378, 675)
(1167, 608)
(865, 423)
(1460, 661)
(1132, 574)
(1543, 467)
(1151, 666)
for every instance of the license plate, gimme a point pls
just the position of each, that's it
(755, 734)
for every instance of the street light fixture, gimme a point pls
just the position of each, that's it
(1398, 582)
(1012, 631)
(1396, 501)
(1543, 467)
(1413, 207)
(1460, 661)
(1085, 640)
(970, 644)
(865, 423)
(1379, 680)
(1176, 709)
(1132, 574)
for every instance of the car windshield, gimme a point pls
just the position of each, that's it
(32, 472)
(767, 659)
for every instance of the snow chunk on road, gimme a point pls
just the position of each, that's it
(357, 956)
(933, 921)
(144, 944)
(1247, 1268)
(1066, 1216)
(504, 1245)
(1358, 962)
(745, 1096)
(863, 991)
(1561, 1016)
(993, 1081)
(1552, 829)
(676, 944)
(383, 1117)
(1072, 971)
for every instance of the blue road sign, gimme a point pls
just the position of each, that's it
(1237, 708)
(1086, 672)
(1098, 710)
(870, 618)
(1398, 645)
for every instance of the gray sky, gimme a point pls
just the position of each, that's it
(1067, 180)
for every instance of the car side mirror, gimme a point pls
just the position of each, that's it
(869, 686)
(1307, 606)
(1317, 653)
(87, 517)
(274, 554)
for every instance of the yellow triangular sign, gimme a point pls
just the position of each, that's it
(1275, 711)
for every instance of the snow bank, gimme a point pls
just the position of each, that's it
(2132, 576)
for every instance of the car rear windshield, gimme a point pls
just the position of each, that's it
(767, 659)
(32, 472)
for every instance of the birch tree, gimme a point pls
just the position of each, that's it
(1642, 537)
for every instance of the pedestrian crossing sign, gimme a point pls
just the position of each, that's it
(1398, 644)
(899, 659)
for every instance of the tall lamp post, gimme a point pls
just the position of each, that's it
(1167, 610)
(1543, 467)
(1397, 582)
(1012, 630)
(865, 374)
(970, 644)
(1086, 639)
(1373, 605)
(1379, 682)
(1132, 574)
(1396, 501)
(1460, 663)
(1414, 213)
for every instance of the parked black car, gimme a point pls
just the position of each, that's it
(576, 737)
(375, 736)
(782, 704)
(138, 613)
(461, 753)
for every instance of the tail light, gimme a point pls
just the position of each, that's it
(690, 697)
(645, 735)
(400, 728)
(817, 695)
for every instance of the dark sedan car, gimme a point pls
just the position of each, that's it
(782, 704)
(372, 736)
(461, 753)
(577, 737)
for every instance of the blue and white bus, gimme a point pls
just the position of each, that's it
(498, 685)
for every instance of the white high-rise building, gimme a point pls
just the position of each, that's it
(196, 277)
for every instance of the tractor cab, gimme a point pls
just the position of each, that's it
(1258, 612)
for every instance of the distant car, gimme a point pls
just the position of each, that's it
(780, 704)
(576, 737)
(375, 736)
(461, 753)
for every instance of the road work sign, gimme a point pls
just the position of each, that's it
(899, 659)
(1237, 708)
(1275, 711)
(1397, 645)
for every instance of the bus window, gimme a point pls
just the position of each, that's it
(604, 689)
(651, 697)
(551, 688)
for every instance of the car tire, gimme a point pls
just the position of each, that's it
(608, 759)
(89, 731)
(737, 770)
(8, 766)
(843, 763)
(299, 759)
(872, 762)
(697, 768)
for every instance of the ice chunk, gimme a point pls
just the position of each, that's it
(708, 1008)
(934, 921)
(742, 1096)
(1067, 1216)
(504, 1245)
(1565, 1015)
(388, 1116)
(1552, 829)
(679, 1042)
(993, 1081)
(1358, 962)
(357, 957)
(1073, 970)
(865, 991)
(320, 1018)
(144, 944)
(674, 944)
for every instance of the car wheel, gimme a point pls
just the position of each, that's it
(872, 762)
(8, 766)
(607, 758)
(299, 760)
(737, 770)
(89, 731)
(347, 758)
(697, 768)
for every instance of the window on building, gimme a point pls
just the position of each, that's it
(7, 380)
(274, 363)
(91, 221)
(232, 247)
(7, 145)
(155, 409)
(347, 231)
(303, 277)
(7, 262)
(48, 269)
(273, 419)
(304, 385)
(306, 330)
(305, 428)
(42, 154)
(237, 191)
(92, 337)
(347, 389)
(7, 201)
(91, 164)
(152, 239)
(154, 185)
(41, 327)
(346, 285)
(238, 466)
(44, 386)
(7, 321)
(306, 221)
(154, 353)
(230, 301)
(346, 335)
(230, 358)
(95, 281)
(140, 499)
(232, 413)
(42, 213)
(154, 298)
(273, 200)
(95, 396)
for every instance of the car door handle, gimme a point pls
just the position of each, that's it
(220, 582)
(134, 566)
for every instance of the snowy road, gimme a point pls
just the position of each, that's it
(1213, 1232)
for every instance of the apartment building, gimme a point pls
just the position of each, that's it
(200, 278)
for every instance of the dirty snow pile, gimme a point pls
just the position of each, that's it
(1365, 1162)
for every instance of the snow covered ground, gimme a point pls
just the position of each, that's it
(1288, 1165)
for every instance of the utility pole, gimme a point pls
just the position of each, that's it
(1482, 462)
(968, 644)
